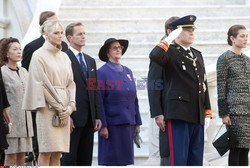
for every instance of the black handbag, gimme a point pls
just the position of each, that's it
(225, 142)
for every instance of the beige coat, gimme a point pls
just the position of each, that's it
(15, 87)
(52, 67)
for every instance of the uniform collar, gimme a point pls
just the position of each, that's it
(185, 47)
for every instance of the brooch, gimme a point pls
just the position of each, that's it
(128, 75)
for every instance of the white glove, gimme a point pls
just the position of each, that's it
(207, 123)
(173, 35)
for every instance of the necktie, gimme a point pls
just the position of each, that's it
(190, 53)
(83, 65)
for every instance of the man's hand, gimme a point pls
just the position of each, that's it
(98, 124)
(226, 120)
(160, 122)
(208, 113)
(104, 132)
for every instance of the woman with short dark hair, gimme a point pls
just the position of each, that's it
(4, 118)
(233, 84)
(14, 78)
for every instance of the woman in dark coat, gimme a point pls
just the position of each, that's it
(233, 84)
(4, 117)
(118, 106)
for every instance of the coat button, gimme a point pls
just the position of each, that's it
(179, 97)
(198, 76)
(196, 69)
(199, 84)
(199, 91)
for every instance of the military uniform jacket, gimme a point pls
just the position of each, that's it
(186, 94)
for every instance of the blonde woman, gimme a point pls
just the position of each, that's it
(51, 93)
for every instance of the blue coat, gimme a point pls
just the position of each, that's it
(119, 113)
(118, 99)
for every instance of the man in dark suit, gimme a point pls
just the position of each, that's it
(156, 88)
(29, 49)
(86, 120)
(37, 43)
(185, 97)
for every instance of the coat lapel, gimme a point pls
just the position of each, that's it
(89, 66)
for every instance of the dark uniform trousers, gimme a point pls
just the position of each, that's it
(185, 98)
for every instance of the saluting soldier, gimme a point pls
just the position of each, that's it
(186, 98)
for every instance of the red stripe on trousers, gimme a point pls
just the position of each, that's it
(171, 144)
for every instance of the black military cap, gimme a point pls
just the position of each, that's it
(184, 22)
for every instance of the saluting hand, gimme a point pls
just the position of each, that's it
(160, 122)
(173, 35)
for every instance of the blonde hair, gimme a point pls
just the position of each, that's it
(49, 26)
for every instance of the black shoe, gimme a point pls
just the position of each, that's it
(29, 158)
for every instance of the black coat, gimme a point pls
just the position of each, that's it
(155, 86)
(156, 89)
(30, 48)
(86, 99)
(185, 94)
(3, 104)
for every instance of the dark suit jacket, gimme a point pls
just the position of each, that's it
(156, 82)
(87, 105)
(156, 89)
(33, 46)
(184, 97)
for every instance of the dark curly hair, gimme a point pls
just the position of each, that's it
(4, 48)
(234, 31)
